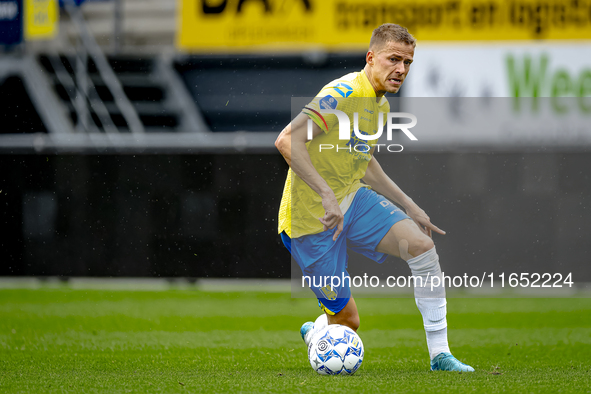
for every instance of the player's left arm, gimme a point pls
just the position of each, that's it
(381, 183)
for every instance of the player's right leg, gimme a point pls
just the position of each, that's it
(348, 316)
(334, 299)
(326, 278)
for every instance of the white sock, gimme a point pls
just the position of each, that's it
(437, 342)
(320, 323)
(430, 299)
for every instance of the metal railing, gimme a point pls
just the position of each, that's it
(86, 93)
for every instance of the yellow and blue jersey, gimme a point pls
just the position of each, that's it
(341, 166)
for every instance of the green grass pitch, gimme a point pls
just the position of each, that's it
(177, 341)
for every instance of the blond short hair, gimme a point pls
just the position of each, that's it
(390, 32)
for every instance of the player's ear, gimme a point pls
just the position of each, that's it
(369, 57)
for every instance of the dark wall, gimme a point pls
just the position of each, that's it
(17, 112)
(142, 215)
(503, 212)
(215, 215)
(253, 92)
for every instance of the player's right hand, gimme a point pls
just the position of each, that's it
(333, 216)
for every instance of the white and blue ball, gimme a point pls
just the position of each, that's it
(335, 350)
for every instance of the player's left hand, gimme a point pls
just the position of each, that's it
(423, 221)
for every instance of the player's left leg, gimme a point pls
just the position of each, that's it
(382, 228)
(406, 240)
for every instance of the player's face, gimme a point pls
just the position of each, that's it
(389, 66)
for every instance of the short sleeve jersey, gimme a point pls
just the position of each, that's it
(340, 162)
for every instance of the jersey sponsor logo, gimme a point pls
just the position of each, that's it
(354, 141)
(343, 89)
(328, 102)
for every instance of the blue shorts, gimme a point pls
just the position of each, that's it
(367, 221)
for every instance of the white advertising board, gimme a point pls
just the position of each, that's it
(532, 95)
(479, 70)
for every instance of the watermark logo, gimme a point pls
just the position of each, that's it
(345, 127)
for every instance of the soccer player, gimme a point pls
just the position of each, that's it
(326, 208)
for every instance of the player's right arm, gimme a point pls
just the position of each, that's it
(292, 145)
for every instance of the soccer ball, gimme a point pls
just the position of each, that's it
(335, 350)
